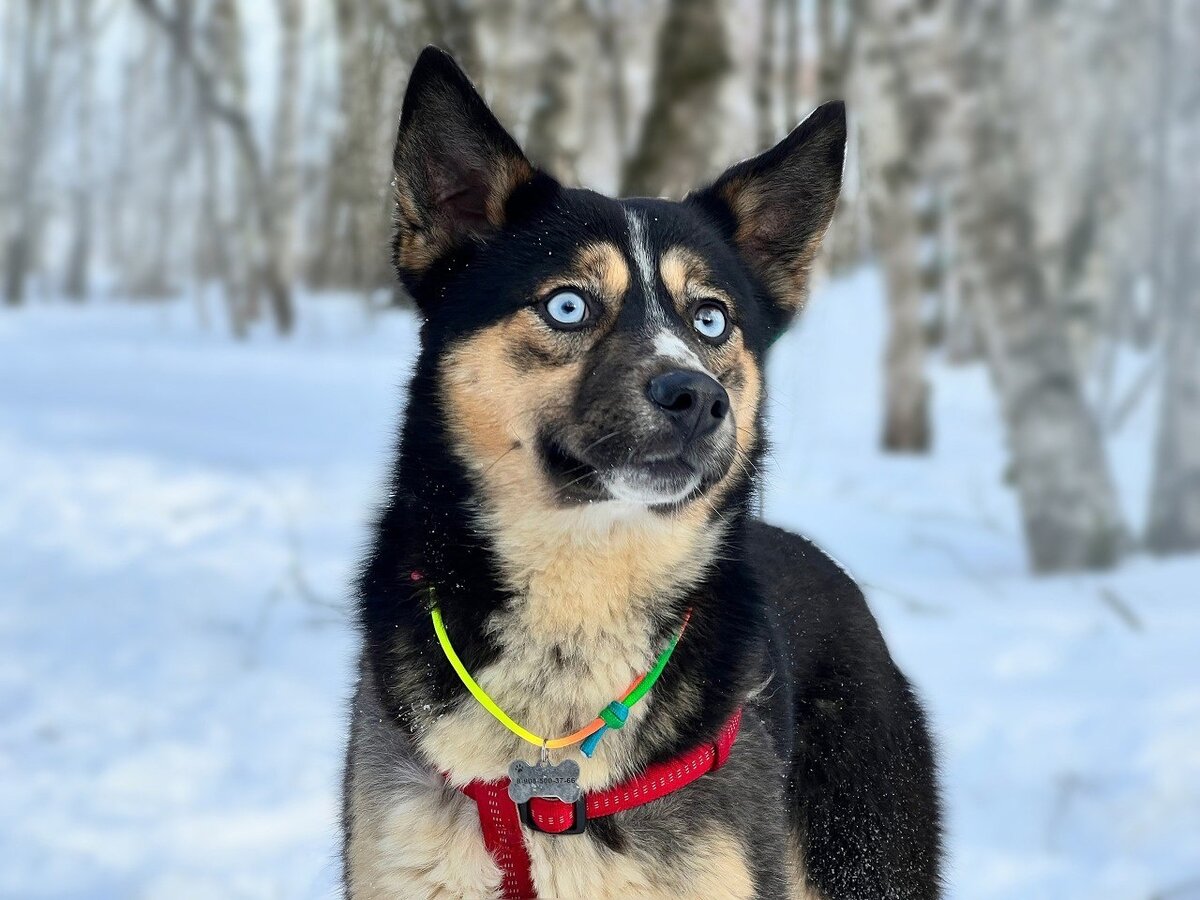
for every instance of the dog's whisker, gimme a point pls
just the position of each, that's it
(600, 440)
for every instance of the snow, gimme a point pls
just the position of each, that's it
(180, 516)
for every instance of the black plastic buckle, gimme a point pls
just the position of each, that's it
(579, 827)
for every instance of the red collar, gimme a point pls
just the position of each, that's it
(501, 819)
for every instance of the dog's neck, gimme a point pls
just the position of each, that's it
(585, 573)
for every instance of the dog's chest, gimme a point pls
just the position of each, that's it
(551, 684)
(427, 843)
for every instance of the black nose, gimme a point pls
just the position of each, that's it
(695, 402)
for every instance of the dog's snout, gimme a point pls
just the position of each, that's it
(696, 403)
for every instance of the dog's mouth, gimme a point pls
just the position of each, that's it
(658, 481)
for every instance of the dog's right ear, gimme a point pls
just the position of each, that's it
(455, 167)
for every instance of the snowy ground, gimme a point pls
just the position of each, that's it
(180, 514)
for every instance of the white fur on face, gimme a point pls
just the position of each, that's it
(628, 485)
(667, 343)
(643, 261)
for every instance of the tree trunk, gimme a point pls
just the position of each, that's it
(355, 210)
(837, 25)
(901, 96)
(29, 137)
(79, 258)
(555, 135)
(835, 47)
(792, 49)
(1173, 523)
(1068, 504)
(284, 180)
(258, 219)
(1174, 520)
(764, 75)
(906, 427)
(608, 29)
(692, 59)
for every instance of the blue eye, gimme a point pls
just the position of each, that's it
(709, 320)
(566, 308)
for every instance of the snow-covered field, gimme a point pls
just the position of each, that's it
(180, 515)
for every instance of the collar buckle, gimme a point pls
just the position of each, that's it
(579, 826)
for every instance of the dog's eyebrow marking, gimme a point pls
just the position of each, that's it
(669, 344)
(644, 261)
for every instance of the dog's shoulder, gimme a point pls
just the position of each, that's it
(862, 762)
(801, 581)
(815, 606)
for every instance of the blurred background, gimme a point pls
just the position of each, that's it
(989, 411)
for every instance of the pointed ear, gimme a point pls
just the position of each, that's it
(776, 207)
(455, 166)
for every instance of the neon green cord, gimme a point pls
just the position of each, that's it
(473, 686)
(607, 718)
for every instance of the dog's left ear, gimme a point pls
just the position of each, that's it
(455, 166)
(776, 207)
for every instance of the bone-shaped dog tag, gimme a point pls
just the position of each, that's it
(528, 780)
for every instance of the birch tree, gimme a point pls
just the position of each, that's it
(691, 60)
(284, 176)
(1174, 515)
(557, 121)
(904, 91)
(229, 112)
(1068, 503)
(43, 34)
(608, 31)
(80, 254)
(765, 76)
(792, 59)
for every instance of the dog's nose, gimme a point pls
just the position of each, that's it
(695, 402)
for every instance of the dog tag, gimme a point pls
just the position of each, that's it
(544, 779)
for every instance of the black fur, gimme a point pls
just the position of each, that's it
(834, 750)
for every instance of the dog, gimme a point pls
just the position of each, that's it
(571, 505)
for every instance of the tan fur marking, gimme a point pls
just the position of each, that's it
(744, 400)
(491, 404)
(599, 269)
(510, 174)
(423, 238)
(602, 267)
(416, 250)
(687, 278)
(786, 278)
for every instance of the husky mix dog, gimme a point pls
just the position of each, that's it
(571, 499)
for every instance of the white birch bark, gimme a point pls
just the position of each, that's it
(557, 125)
(673, 152)
(80, 254)
(284, 179)
(903, 81)
(1173, 524)
(1067, 500)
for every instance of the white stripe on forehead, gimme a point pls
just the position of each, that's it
(666, 342)
(643, 260)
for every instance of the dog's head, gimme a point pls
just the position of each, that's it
(595, 353)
